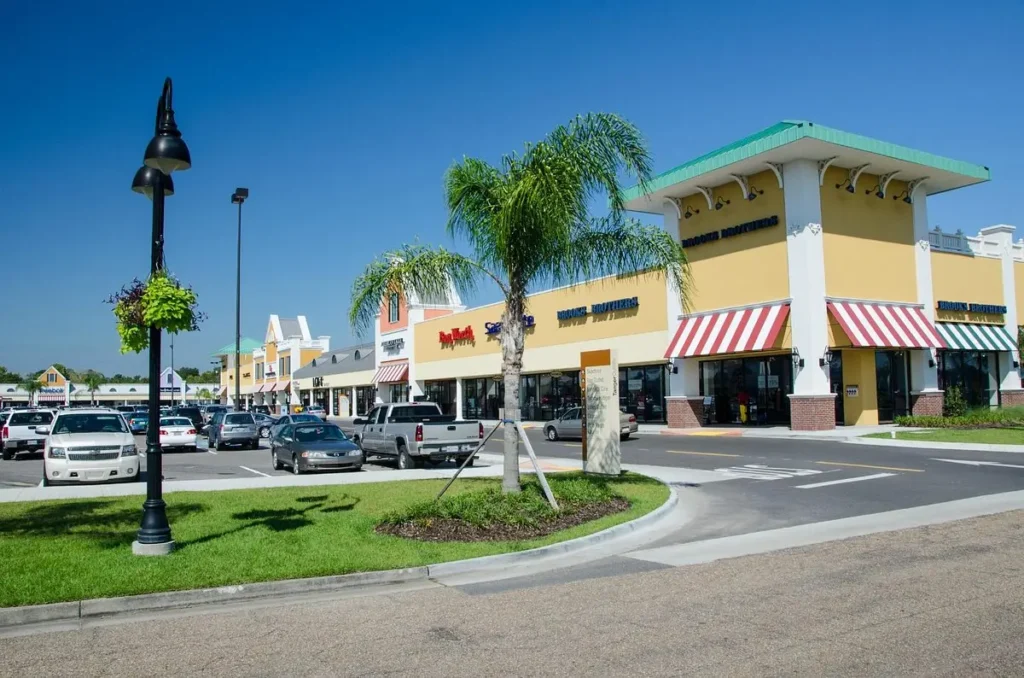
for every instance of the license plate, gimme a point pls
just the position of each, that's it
(450, 448)
(176, 433)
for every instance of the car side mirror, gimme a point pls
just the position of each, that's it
(45, 430)
(358, 421)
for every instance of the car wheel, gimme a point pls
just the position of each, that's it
(265, 432)
(624, 437)
(405, 460)
(219, 446)
(551, 433)
(8, 454)
(277, 462)
(46, 481)
(295, 465)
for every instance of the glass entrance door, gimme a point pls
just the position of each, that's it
(891, 382)
(835, 377)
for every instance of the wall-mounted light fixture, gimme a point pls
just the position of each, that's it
(690, 211)
(798, 362)
(675, 369)
(904, 196)
(881, 186)
(1016, 365)
(749, 192)
(877, 190)
(825, 359)
(721, 202)
(931, 362)
(850, 183)
(754, 192)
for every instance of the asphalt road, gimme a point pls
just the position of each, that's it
(938, 600)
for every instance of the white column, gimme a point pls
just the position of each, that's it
(330, 404)
(924, 371)
(458, 399)
(808, 315)
(684, 378)
(1003, 235)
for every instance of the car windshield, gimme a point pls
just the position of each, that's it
(30, 419)
(299, 418)
(89, 423)
(306, 434)
(238, 419)
(175, 421)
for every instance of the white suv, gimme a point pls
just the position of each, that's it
(89, 446)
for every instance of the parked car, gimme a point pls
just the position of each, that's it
(264, 422)
(314, 447)
(193, 414)
(233, 428)
(20, 433)
(413, 433)
(262, 409)
(138, 422)
(211, 410)
(177, 433)
(570, 425)
(89, 446)
(300, 418)
(317, 411)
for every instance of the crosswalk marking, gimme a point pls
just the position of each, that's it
(980, 463)
(844, 480)
(762, 472)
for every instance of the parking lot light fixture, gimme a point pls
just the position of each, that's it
(237, 198)
(166, 153)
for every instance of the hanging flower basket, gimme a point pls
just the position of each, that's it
(161, 302)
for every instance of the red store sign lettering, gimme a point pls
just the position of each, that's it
(464, 334)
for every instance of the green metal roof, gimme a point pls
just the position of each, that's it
(788, 131)
(246, 346)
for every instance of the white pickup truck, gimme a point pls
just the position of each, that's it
(416, 432)
(18, 434)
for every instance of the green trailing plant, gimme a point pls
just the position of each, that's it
(953, 403)
(160, 302)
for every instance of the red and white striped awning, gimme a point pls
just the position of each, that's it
(51, 397)
(265, 388)
(869, 325)
(391, 373)
(737, 331)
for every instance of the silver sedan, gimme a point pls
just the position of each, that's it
(570, 425)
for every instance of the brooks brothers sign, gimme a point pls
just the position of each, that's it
(731, 231)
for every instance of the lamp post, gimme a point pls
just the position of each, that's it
(165, 153)
(173, 386)
(237, 198)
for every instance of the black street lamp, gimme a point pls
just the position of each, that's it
(165, 153)
(237, 198)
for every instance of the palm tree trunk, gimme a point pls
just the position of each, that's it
(512, 341)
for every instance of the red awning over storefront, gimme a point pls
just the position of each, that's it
(392, 373)
(51, 397)
(870, 325)
(737, 331)
(265, 388)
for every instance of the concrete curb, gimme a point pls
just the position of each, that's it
(924, 444)
(169, 600)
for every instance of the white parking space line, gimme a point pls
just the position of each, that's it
(214, 452)
(252, 470)
(844, 480)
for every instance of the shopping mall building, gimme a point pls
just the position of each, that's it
(819, 296)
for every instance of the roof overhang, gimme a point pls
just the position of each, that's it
(797, 140)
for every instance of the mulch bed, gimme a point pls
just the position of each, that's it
(458, 530)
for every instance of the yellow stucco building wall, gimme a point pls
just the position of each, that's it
(859, 371)
(747, 268)
(868, 242)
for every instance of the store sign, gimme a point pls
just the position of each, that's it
(393, 345)
(729, 232)
(965, 307)
(495, 328)
(602, 307)
(456, 335)
(170, 389)
(51, 389)
(318, 382)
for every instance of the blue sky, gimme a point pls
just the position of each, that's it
(342, 118)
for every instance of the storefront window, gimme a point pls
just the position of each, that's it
(528, 404)
(747, 390)
(642, 392)
(482, 398)
(366, 396)
(442, 393)
(971, 371)
(399, 392)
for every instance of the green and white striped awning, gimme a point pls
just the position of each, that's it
(971, 337)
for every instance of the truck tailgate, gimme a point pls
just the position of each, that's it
(458, 432)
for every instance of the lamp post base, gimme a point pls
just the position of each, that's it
(161, 549)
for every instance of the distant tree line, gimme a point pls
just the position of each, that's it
(189, 374)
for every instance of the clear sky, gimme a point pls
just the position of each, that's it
(342, 117)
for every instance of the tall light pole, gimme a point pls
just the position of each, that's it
(237, 198)
(172, 370)
(165, 154)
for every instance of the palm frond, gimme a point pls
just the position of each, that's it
(616, 245)
(412, 270)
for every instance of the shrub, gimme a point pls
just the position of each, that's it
(979, 418)
(953, 404)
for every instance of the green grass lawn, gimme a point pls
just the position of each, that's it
(76, 549)
(994, 436)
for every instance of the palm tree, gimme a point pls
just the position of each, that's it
(527, 221)
(30, 386)
(93, 381)
(204, 394)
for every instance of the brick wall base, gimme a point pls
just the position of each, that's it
(685, 412)
(928, 403)
(1014, 398)
(812, 413)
